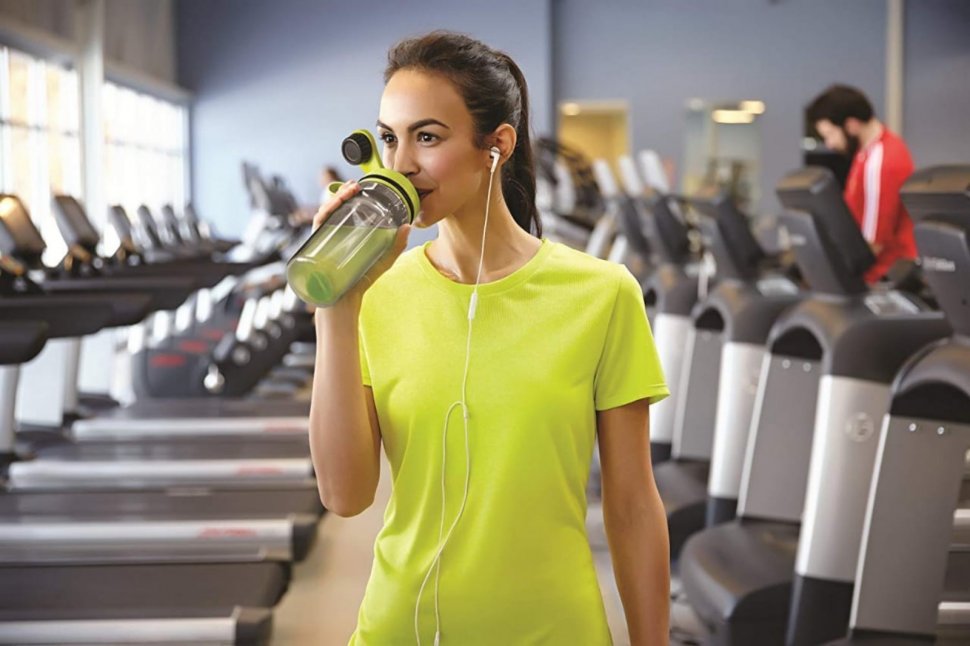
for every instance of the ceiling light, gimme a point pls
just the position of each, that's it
(754, 107)
(732, 116)
(571, 109)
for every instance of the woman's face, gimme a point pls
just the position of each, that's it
(429, 137)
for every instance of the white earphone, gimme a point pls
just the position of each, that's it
(443, 538)
(496, 155)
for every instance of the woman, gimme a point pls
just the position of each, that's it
(491, 361)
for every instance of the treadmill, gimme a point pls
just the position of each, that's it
(152, 462)
(238, 365)
(195, 230)
(914, 561)
(722, 363)
(283, 517)
(177, 464)
(613, 238)
(823, 388)
(191, 418)
(44, 602)
(259, 461)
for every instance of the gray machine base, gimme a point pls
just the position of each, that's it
(683, 488)
(659, 452)
(738, 577)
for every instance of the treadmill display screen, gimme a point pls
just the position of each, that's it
(74, 222)
(18, 235)
(815, 190)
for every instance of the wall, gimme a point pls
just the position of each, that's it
(660, 53)
(51, 16)
(281, 83)
(936, 90)
(141, 36)
(138, 35)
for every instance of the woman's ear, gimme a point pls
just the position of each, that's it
(504, 138)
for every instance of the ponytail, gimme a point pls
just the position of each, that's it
(519, 175)
(495, 92)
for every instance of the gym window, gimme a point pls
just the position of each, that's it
(145, 150)
(40, 152)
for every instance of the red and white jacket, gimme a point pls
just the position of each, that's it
(872, 193)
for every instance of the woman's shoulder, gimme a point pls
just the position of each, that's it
(580, 266)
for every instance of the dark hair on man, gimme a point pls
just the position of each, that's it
(838, 103)
(494, 91)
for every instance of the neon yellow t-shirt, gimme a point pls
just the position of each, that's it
(560, 338)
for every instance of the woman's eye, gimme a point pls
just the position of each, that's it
(427, 137)
(387, 138)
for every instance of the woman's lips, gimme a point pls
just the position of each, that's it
(424, 192)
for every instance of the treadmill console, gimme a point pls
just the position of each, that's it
(693, 269)
(776, 286)
(891, 303)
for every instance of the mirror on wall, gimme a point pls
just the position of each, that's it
(598, 129)
(723, 146)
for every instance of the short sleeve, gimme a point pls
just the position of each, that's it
(364, 367)
(629, 368)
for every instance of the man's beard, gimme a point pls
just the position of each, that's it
(851, 144)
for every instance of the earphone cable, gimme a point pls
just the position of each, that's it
(436, 562)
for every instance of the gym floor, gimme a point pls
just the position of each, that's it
(321, 605)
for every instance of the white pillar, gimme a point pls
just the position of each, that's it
(9, 375)
(90, 19)
(44, 384)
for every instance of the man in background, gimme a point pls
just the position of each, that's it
(845, 120)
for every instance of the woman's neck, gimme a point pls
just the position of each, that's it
(457, 248)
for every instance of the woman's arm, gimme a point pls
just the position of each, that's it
(636, 524)
(345, 436)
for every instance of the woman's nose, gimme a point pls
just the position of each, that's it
(403, 161)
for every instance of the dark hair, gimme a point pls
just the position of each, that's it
(495, 92)
(838, 103)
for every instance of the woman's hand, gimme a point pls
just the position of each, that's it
(347, 191)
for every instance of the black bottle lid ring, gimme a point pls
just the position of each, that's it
(356, 149)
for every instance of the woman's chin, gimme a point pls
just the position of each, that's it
(424, 219)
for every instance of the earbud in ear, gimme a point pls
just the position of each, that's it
(496, 155)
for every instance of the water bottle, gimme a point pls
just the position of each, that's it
(358, 233)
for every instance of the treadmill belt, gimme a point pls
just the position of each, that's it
(187, 502)
(86, 590)
(181, 449)
(208, 407)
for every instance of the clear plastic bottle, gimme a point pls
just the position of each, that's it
(357, 234)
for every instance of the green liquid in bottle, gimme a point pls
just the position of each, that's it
(334, 260)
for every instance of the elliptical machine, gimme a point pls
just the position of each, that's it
(670, 294)
(722, 361)
(826, 378)
(911, 583)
